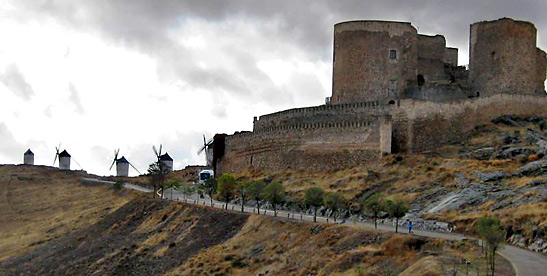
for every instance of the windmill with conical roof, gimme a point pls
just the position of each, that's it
(122, 165)
(28, 157)
(64, 159)
(164, 158)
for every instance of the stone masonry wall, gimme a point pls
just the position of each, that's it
(307, 147)
(427, 125)
(431, 54)
(363, 69)
(451, 56)
(323, 114)
(541, 70)
(503, 57)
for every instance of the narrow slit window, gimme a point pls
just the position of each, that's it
(392, 54)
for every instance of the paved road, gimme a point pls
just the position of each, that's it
(525, 262)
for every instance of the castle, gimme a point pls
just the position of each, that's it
(397, 91)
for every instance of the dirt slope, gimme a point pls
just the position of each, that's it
(150, 237)
(39, 203)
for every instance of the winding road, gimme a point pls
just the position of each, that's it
(525, 262)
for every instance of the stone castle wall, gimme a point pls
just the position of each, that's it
(323, 114)
(503, 57)
(409, 126)
(431, 55)
(451, 56)
(541, 67)
(308, 147)
(422, 126)
(373, 60)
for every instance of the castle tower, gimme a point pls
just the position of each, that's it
(122, 167)
(28, 158)
(64, 160)
(373, 60)
(503, 58)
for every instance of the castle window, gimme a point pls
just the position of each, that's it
(392, 54)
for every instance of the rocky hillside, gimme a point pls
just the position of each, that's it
(500, 170)
(150, 237)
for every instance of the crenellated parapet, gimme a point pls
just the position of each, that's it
(322, 116)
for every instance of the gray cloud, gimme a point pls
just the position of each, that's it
(307, 25)
(75, 98)
(9, 146)
(16, 82)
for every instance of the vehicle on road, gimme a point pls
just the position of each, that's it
(204, 175)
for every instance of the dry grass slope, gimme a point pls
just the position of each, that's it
(39, 204)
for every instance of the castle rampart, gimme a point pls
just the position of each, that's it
(309, 147)
(324, 114)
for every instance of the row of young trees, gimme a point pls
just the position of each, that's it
(228, 188)
(377, 204)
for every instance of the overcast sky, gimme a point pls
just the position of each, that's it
(105, 74)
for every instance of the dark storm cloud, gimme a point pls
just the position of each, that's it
(16, 82)
(308, 25)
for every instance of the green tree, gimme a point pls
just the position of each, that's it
(188, 190)
(336, 202)
(243, 192)
(227, 188)
(314, 197)
(157, 173)
(256, 192)
(173, 184)
(397, 209)
(274, 193)
(374, 205)
(492, 236)
(209, 187)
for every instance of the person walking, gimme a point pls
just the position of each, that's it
(410, 225)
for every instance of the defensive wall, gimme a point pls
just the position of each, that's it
(305, 146)
(408, 126)
(420, 126)
(322, 114)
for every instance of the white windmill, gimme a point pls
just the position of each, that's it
(164, 158)
(122, 165)
(64, 159)
(208, 149)
(28, 157)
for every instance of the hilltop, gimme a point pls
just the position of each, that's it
(39, 204)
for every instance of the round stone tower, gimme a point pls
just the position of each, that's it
(373, 60)
(502, 57)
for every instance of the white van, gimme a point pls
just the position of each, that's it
(204, 175)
